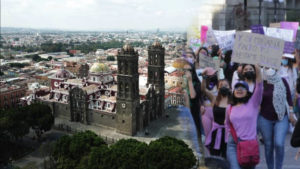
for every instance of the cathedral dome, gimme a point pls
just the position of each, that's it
(99, 67)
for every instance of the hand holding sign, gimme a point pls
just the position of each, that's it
(257, 49)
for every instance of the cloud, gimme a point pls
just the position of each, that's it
(97, 14)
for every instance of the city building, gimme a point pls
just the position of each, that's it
(103, 99)
(10, 95)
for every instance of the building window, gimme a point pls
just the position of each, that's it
(94, 79)
(108, 105)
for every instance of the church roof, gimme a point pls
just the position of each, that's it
(99, 67)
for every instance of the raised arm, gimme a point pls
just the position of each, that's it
(206, 92)
(258, 74)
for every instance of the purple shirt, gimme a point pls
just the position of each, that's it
(244, 117)
(267, 109)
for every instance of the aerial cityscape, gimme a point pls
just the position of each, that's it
(101, 84)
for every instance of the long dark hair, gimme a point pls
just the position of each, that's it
(242, 74)
(235, 100)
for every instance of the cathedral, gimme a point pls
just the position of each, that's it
(114, 101)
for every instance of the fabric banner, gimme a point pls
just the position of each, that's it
(257, 49)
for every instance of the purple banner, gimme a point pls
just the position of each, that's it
(289, 47)
(257, 29)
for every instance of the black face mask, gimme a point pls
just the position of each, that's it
(224, 91)
(249, 75)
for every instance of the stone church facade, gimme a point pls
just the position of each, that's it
(100, 99)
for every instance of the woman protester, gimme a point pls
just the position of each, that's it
(241, 118)
(193, 92)
(273, 121)
(216, 138)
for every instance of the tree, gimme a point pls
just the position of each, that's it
(110, 58)
(40, 118)
(127, 154)
(71, 151)
(170, 153)
(13, 123)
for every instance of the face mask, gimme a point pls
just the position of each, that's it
(284, 62)
(270, 72)
(249, 75)
(224, 91)
(190, 60)
(209, 51)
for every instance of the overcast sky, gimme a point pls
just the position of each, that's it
(99, 14)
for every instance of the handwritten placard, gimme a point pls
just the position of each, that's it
(207, 61)
(225, 39)
(255, 48)
(257, 29)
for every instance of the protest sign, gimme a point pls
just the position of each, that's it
(291, 26)
(255, 48)
(274, 25)
(204, 30)
(297, 42)
(195, 44)
(210, 38)
(207, 61)
(283, 34)
(257, 29)
(289, 47)
(225, 39)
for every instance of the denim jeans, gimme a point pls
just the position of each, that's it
(274, 133)
(231, 155)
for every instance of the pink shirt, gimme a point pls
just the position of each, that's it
(244, 117)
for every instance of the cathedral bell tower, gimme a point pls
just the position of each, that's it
(156, 66)
(128, 99)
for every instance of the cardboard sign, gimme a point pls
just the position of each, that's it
(274, 25)
(257, 29)
(207, 61)
(257, 49)
(204, 30)
(297, 42)
(291, 26)
(225, 39)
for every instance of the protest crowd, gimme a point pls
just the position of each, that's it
(243, 89)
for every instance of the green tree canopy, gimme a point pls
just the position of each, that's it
(40, 118)
(70, 150)
(170, 153)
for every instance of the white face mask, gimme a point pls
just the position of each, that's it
(270, 72)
